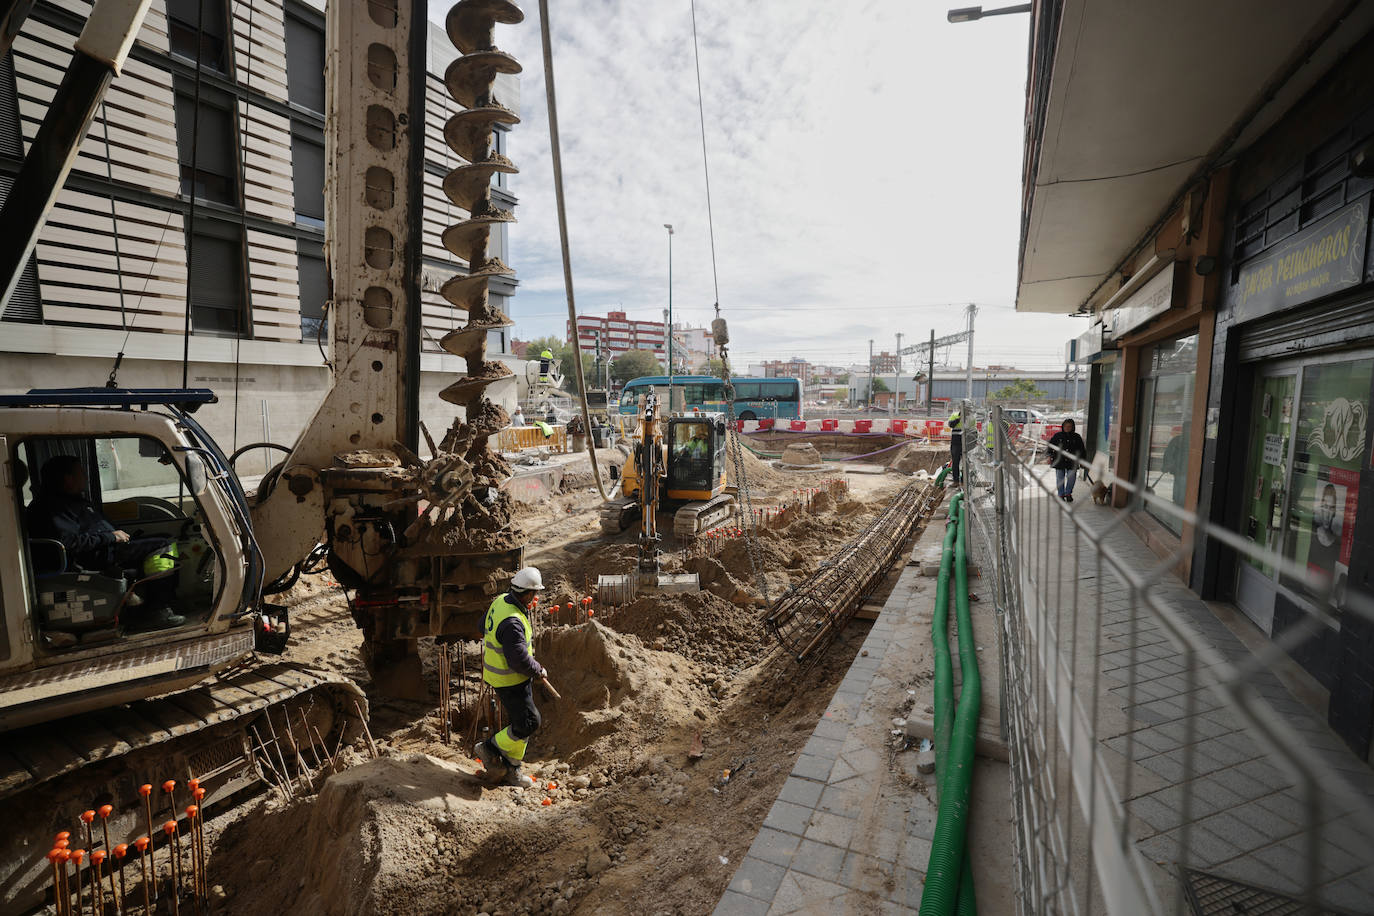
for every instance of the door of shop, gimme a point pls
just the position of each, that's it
(1308, 422)
(1269, 454)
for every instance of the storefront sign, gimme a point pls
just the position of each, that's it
(1152, 299)
(1324, 258)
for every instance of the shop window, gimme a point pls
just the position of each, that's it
(1164, 422)
(1329, 453)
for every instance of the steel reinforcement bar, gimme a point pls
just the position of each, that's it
(809, 614)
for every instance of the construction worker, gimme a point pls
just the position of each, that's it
(510, 668)
(518, 418)
(545, 363)
(695, 447)
(956, 446)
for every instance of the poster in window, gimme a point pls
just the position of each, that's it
(1267, 407)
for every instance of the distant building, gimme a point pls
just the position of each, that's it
(619, 334)
(696, 345)
(884, 362)
(787, 368)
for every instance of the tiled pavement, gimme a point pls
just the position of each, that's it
(848, 833)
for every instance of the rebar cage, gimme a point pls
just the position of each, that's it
(1159, 764)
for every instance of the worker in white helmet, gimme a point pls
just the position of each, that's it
(509, 666)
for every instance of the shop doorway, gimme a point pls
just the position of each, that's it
(1269, 458)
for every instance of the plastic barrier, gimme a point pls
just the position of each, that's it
(766, 424)
(935, 429)
(830, 426)
(863, 426)
(798, 424)
(897, 427)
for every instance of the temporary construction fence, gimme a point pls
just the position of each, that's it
(1157, 764)
(516, 438)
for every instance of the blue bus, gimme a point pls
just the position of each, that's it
(755, 398)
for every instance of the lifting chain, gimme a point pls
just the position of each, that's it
(737, 457)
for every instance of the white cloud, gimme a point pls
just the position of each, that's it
(865, 171)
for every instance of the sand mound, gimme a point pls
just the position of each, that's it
(702, 626)
(801, 454)
(616, 694)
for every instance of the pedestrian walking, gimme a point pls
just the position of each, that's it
(1066, 451)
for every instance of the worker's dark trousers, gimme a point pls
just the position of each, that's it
(518, 702)
(956, 453)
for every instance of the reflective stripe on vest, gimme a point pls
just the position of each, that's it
(496, 670)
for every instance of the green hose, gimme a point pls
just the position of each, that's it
(940, 481)
(949, 876)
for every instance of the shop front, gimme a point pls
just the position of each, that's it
(1288, 463)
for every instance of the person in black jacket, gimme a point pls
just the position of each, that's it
(1066, 450)
(61, 512)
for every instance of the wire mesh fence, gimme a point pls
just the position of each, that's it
(1159, 762)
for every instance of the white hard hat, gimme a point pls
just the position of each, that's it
(527, 580)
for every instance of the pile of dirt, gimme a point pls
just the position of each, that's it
(760, 475)
(701, 626)
(801, 455)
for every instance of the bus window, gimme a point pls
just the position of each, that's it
(747, 391)
(779, 391)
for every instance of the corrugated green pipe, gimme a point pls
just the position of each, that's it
(940, 479)
(949, 879)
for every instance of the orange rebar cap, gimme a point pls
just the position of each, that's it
(169, 828)
(591, 613)
(145, 790)
(96, 857)
(121, 850)
(547, 801)
(53, 854)
(79, 854)
(192, 811)
(61, 843)
(62, 835)
(193, 784)
(141, 843)
(169, 785)
(199, 794)
(63, 855)
(88, 816)
(106, 811)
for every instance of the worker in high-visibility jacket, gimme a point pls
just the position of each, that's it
(956, 445)
(510, 668)
(545, 364)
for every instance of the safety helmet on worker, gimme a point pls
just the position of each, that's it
(161, 560)
(527, 579)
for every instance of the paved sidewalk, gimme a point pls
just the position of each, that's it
(851, 829)
(1248, 820)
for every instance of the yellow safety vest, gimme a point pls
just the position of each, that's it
(496, 670)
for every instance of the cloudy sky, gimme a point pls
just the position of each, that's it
(865, 169)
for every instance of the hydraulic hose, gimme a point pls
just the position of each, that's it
(949, 876)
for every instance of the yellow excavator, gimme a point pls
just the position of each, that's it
(677, 463)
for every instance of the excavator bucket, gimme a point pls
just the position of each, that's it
(614, 591)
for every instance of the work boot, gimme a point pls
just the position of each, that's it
(492, 758)
(516, 778)
(163, 618)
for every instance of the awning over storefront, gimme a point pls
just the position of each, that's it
(1130, 100)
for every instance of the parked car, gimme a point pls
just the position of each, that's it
(1022, 415)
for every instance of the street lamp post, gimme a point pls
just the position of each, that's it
(974, 13)
(669, 227)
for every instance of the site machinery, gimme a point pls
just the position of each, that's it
(91, 704)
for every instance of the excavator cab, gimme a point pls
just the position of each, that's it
(696, 458)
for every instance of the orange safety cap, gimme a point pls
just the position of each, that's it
(61, 843)
(591, 613)
(96, 857)
(169, 785)
(106, 810)
(199, 794)
(193, 784)
(63, 835)
(145, 790)
(551, 786)
(63, 855)
(79, 854)
(192, 811)
(547, 801)
(141, 843)
(88, 816)
(169, 828)
(121, 850)
(52, 855)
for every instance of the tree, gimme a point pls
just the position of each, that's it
(1023, 389)
(879, 385)
(714, 367)
(634, 364)
(842, 379)
(841, 394)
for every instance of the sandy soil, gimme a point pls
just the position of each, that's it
(633, 823)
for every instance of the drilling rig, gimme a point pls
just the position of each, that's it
(89, 702)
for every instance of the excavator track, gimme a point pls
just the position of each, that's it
(50, 773)
(618, 514)
(695, 518)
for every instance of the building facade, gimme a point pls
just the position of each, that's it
(190, 232)
(796, 367)
(698, 346)
(1228, 273)
(884, 363)
(618, 333)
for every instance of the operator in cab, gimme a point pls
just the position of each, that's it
(62, 512)
(509, 666)
(696, 446)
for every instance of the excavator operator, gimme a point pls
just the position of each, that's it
(62, 512)
(696, 446)
(509, 667)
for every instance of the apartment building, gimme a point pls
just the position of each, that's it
(619, 333)
(191, 229)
